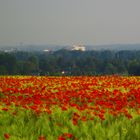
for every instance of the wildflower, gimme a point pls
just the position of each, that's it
(84, 118)
(6, 136)
(75, 121)
(41, 138)
(5, 109)
(61, 137)
(68, 135)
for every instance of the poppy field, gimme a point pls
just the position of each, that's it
(69, 108)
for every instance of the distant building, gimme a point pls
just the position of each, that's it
(78, 48)
(10, 50)
(46, 50)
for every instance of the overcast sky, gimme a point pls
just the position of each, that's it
(67, 22)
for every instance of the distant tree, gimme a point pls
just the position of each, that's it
(9, 62)
(134, 67)
(71, 62)
(35, 64)
(28, 68)
(120, 66)
(3, 70)
(110, 69)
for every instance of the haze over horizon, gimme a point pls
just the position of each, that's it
(67, 22)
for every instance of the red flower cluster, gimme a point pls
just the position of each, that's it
(94, 95)
(65, 136)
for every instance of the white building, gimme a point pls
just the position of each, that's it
(78, 48)
(46, 50)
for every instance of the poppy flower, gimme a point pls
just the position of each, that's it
(41, 138)
(6, 136)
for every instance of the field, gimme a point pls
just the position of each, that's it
(69, 108)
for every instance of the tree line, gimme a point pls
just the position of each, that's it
(64, 62)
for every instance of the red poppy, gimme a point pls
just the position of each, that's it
(6, 136)
(68, 135)
(41, 138)
(5, 109)
(61, 137)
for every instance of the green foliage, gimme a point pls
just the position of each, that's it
(27, 125)
(64, 62)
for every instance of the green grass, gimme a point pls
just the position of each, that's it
(27, 125)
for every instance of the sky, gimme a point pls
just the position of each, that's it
(67, 22)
